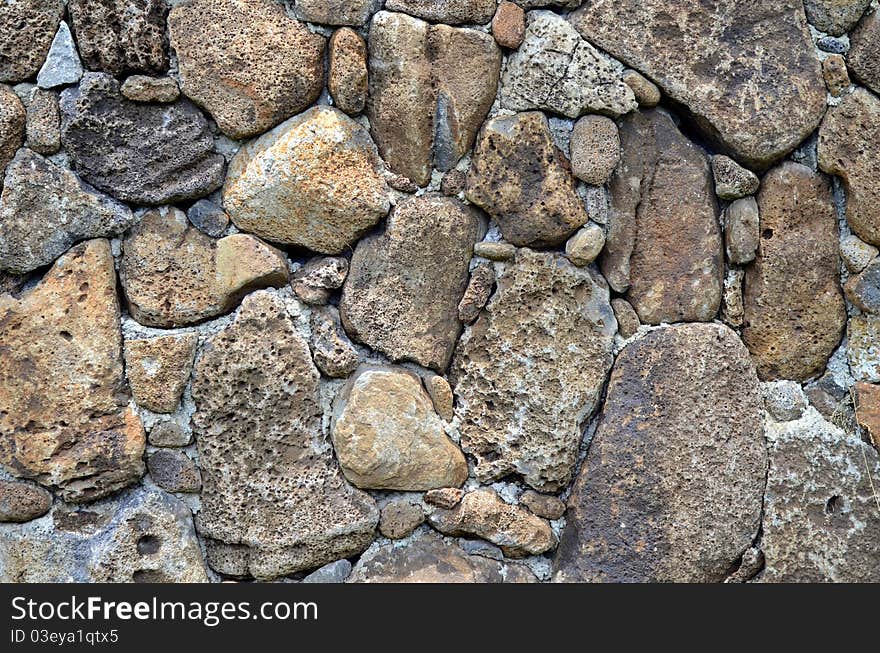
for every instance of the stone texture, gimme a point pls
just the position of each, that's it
(334, 572)
(387, 435)
(856, 253)
(208, 218)
(835, 17)
(663, 246)
(863, 289)
(26, 32)
(139, 153)
(158, 369)
(174, 471)
(441, 395)
(556, 70)
(393, 300)
(672, 485)
(849, 146)
(141, 536)
(143, 88)
(794, 311)
(627, 319)
(742, 230)
(246, 63)
(62, 65)
(273, 500)
(495, 251)
(431, 87)
(451, 12)
(337, 12)
(453, 183)
(595, 149)
(173, 275)
(12, 126)
(65, 422)
(836, 75)
(348, 80)
(820, 511)
(314, 282)
(477, 293)
(518, 176)
(332, 351)
(531, 369)
(43, 126)
(863, 58)
(445, 497)
(746, 72)
(867, 405)
(169, 434)
(509, 25)
(44, 209)
(21, 502)
(121, 36)
(313, 182)
(784, 400)
(399, 518)
(482, 513)
(584, 247)
(542, 505)
(732, 181)
(645, 91)
(732, 311)
(863, 352)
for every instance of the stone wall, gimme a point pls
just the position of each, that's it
(425, 290)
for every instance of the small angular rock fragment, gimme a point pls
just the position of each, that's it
(444, 497)
(12, 126)
(742, 230)
(595, 149)
(856, 253)
(333, 352)
(43, 123)
(543, 505)
(863, 333)
(337, 12)
(784, 400)
(314, 282)
(143, 88)
(732, 298)
(62, 66)
(169, 434)
(626, 316)
(174, 471)
(208, 218)
(867, 396)
(732, 181)
(477, 293)
(836, 75)
(399, 518)
(158, 369)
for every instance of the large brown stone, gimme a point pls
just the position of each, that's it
(522, 180)
(431, 87)
(849, 146)
(863, 58)
(794, 311)
(746, 71)
(664, 243)
(27, 28)
(313, 181)
(173, 275)
(65, 422)
(672, 485)
(530, 370)
(247, 63)
(393, 299)
(273, 500)
(12, 126)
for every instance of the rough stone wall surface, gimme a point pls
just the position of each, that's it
(469, 291)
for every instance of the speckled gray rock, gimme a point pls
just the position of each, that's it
(208, 218)
(742, 230)
(174, 471)
(835, 16)
(393, 300)
(337, 12)
(62, 66)
(555, 69)
(530, 370)
(863, 58)
(863, 354)
(273, 500)
(169, 434)
(333, 352)
(334, 572)
(143, 88)
(21, 502)
(314, 282)
(856, 253)
(27, 28)
(732, 181)
(43, 126)
(595, 149)
(139, 153)
(12, 126)
(672, 485)
(45, 209)
(732, 298)
(784, 400)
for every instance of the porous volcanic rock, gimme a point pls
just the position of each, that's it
(43, 126)
(863, 58)
(142, 88)
(337, 12)
(835, 17)
(13, 120)
(451, 12)
(348, 77)
(158, 369)
(27, 28)
(21, 502)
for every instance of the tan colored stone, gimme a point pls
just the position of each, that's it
(451, 12)
(440, 392)
(158, 369)
(732, 299)
(477, 293)
(337, 12)
(65, 421)
(646, 92)
(863, 289)
(867, 405)
(543, 505)
(836, 75)
(863, 354)
(595, 149)
(348, 80)
(863, 57)
(332, 351)
(627, 319)
(732, 181)
(856, 253)
(742, 230)
(584, 247)
(495, 251)
(387, 436)
(509, 25)
(142, 88)
(314, 282)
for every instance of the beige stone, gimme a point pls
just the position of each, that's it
(348, 78)
(595, 149)
(158, 369)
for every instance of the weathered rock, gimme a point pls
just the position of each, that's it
(732, 181)
(45, 209)
(531, 369)
(121, 36)
(867, 400)
(451, 12)
(864, 54)
(833, 44)
(173, 275)
(849, 146)
(273, 501)
(139, 153)
(314, 282)
(732, 298)
(26, 32)
(208, 218)
(65, 423)
(313, 181)
(863, 289)
(393, 300)
(333, 352)
(431, 87)
(169, 434)
(820, 511)
(337, 12)
(43, 126)
(627, 318)
(453, 183)
(387, 436)
(856, 253)
(334, 572)
(141, 536)
(595, 149)
(143, 88)
(445, 497)
(863, 352)
(835, 16)
(663, 245)
(543, 505)
(158, 369)
(784, 400)
(477, 293)
(495, 251)
(441, 395)
(584, 247)
(12, 126)
(509, 25)
(794, 311)
(742, 230)
(831, 399)
(246, 63)
(62, 65)
(750, 565)
(835, 74)
(519, 178)
(481, 548)
(746, 72)
(348, 78)
(174, 471)
(482, 513)
(645, 91)
(399, 518)
(672, 485)
(21, 502)
(556, 70)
